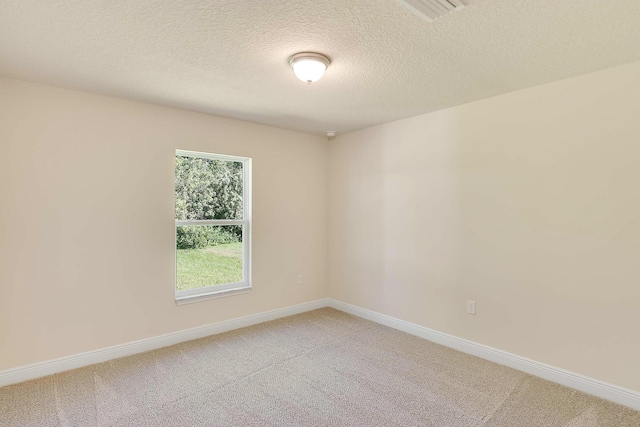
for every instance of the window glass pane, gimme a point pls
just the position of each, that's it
(208, 255)
(208, 189)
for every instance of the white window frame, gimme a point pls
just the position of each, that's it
(215, 291)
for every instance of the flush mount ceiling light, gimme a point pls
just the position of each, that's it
(309, 66)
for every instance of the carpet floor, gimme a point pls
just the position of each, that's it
(321, 368)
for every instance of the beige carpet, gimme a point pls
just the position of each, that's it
(322, 368)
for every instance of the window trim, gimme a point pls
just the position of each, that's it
(215, 291)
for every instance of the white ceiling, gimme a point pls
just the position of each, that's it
(229, 58)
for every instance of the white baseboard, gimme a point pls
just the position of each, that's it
(585, 384)
(50, 367)
(588, 385)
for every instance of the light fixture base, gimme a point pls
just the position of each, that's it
(308, 55)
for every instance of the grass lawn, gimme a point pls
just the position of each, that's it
(216, 265)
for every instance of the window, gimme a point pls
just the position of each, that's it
(213, 225)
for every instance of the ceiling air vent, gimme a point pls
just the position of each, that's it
(432, 9)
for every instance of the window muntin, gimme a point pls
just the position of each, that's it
(212, 220)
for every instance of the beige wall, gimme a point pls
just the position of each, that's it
(86, 219)
(527, 203)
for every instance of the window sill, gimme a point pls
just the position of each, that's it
(212, 295)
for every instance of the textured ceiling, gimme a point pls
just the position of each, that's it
(229, 57)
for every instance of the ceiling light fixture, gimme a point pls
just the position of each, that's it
(309, 66)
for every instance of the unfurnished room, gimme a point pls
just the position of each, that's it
(319, 213)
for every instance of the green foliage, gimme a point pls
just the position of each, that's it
(207, 189)
(198, 237)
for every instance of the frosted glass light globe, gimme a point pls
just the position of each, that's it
(309, 67)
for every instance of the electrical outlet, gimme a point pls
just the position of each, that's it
(471, 307)
(300, 279)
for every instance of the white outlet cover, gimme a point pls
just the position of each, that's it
(471, 307)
